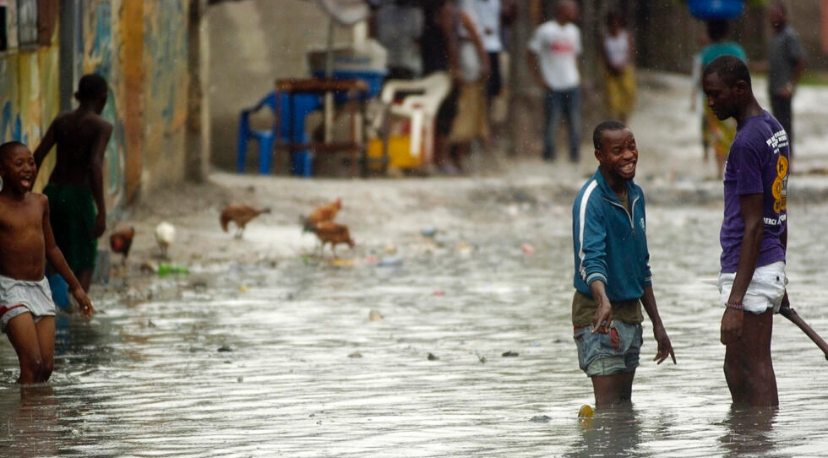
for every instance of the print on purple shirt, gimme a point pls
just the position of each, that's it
(757, 164)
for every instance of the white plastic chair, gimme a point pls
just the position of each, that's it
(421, 108)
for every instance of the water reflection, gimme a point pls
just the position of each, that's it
(614, 431)
(32, 425)
(749, 432)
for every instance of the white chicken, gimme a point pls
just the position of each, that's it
(164, 235)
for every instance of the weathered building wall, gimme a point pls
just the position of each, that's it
(252, 43)
(141, 47)
(165, 91)
(101, 42)
(29, 96)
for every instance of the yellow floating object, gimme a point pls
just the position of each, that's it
(342, 262)
(586, 412)
(243, 288)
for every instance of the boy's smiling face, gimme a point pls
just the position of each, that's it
(18, 170)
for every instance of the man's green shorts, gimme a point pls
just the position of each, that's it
(73, 214)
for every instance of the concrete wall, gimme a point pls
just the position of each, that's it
(165, 91)
(142, 48)
(29, 96)
(252, 43)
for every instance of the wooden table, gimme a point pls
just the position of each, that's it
(356, 91)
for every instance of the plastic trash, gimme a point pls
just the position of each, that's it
(390, 261)
(168, 269)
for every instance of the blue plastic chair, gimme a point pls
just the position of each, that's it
(303, 104)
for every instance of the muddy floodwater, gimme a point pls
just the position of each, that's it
(263, 361)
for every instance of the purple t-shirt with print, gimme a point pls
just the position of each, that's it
(758, 163)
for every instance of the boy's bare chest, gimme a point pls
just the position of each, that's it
(19, 218)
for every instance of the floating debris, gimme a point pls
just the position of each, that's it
(510, 354)
(429, 232)
(355, 354)
(375, 315)
(390, 261)
(540, 419)
(528, 250)
(481, 358)
(224, 348)
(586, 411)
(439, 293)
(243, 288)
(432, 357)
(339, 262)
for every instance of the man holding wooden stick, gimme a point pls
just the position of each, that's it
(754, 232)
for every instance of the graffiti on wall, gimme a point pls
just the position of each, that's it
(165, 42)
(11, 125)
(101, 46)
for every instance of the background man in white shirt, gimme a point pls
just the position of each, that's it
(553, 59)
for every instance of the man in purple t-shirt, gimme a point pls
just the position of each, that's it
(754, 232)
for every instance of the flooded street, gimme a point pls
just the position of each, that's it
(267, 350)
(257, 362)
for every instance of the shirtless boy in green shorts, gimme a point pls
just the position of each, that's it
(75, 188)
(27, 313)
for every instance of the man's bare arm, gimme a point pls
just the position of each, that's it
(665, 347)
(96, 184)
(752, 214)
(532, 62)
(602, 319)
(46, 144)
(445, 21)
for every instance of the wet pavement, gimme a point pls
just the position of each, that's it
(280, 356)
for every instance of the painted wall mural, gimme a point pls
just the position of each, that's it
(101, 44)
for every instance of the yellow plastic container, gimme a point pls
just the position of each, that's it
(399, 152)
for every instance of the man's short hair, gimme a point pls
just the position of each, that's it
(92, 87)
(598, 133)
(717, 29)
(8, 147)
(730, 69)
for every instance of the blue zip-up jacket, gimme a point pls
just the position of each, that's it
(610, 242)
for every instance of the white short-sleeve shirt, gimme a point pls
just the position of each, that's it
(557, 48)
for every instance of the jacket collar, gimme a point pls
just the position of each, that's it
(609, 194)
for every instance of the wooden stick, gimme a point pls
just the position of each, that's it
(791, 314)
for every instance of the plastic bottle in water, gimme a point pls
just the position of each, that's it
(167, 269)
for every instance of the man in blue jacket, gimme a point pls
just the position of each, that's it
(612, 271)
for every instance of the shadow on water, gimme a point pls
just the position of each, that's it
(749, 431)
(32, 422)
(614, 431)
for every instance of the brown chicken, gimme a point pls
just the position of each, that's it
(241, 215)
(120, 241)
(333, 233)
(321, 214)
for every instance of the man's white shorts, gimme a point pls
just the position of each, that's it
(766, 289)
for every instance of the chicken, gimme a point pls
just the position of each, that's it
(241, 215)
(333, 233)
(120, 241)
(164, 235)
(321, 214)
